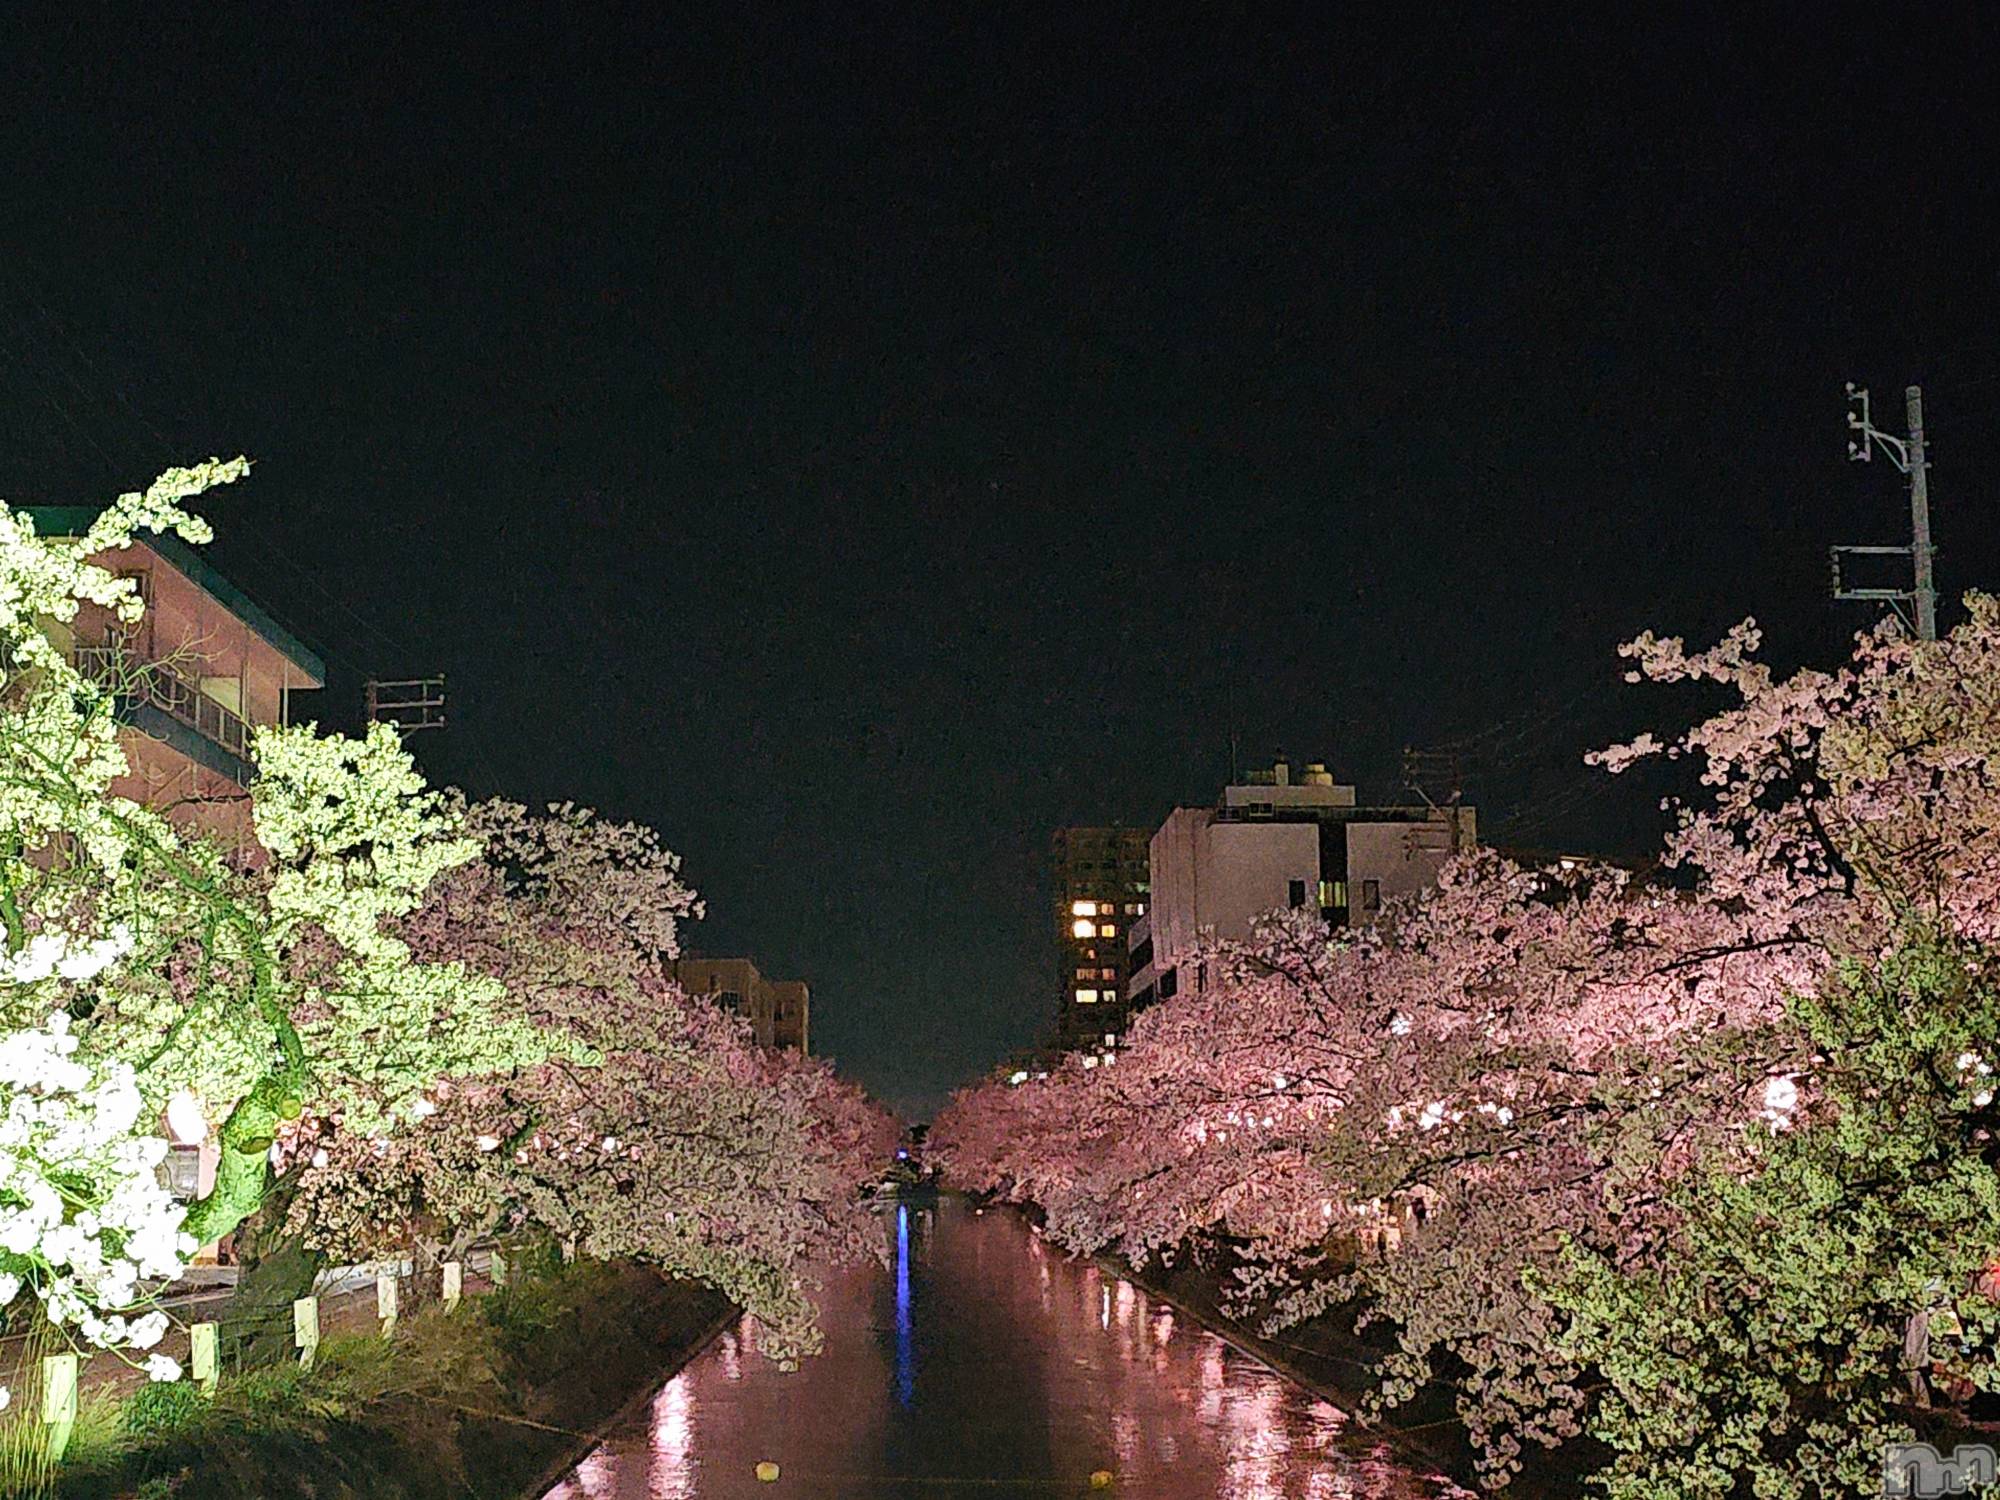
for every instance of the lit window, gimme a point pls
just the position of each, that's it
(1086, 973)
(1086, 997)
(1082, 927)
(1138, 908)
(1107, 973)
(1109, 929)
(1083, 908)
(1110, 1039)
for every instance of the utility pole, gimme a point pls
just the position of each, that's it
(410, 704)
(1920, 514)
(1444, 772)
(1907, 454)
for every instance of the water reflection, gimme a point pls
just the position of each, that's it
(671, 1473)
(906, 1358)
(984, 1357)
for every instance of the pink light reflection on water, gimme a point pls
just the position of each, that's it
(672, 1473)
(1024, 1368)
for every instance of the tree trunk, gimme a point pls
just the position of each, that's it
(277, 1269)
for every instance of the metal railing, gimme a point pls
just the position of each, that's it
(157, 683)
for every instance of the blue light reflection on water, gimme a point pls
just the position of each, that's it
(906, 1359)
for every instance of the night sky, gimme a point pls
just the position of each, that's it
(858, 441)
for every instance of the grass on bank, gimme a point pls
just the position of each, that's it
(394, 1404)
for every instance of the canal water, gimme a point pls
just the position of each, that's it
(983, 1363)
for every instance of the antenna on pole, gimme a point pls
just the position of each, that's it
(410, 704)
(1907, 454)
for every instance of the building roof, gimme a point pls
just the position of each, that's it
(75, 520)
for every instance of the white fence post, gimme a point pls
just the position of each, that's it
(59, 1381)
(305, 1330)
(202, 1361)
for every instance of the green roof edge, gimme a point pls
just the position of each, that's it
(75, 520)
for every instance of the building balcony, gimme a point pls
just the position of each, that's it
(156, 699)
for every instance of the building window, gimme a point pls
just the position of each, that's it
(1083, 908)
(1086, 997)
(1296, 893)
(1107, 973)
(731, 1001)
(1109, 929)
(1086, 973)
(1371, 895)
(1082, 927)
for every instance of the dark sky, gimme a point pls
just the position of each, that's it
(858, 440)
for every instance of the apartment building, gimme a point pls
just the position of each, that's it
(1101, 881)
(1279, 841)
(779, 1010)
(202, 668)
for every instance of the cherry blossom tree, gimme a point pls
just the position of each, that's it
(175, 970)
(1568, 1069)
(409, 1020)
(679, 1143)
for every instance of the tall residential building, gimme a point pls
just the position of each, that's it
(779, 1010)
(1102, 884)
(1277, 842)
(200, 669)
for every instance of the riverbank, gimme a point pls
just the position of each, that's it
(493, 1401)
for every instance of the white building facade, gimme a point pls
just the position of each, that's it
(1276, 842)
